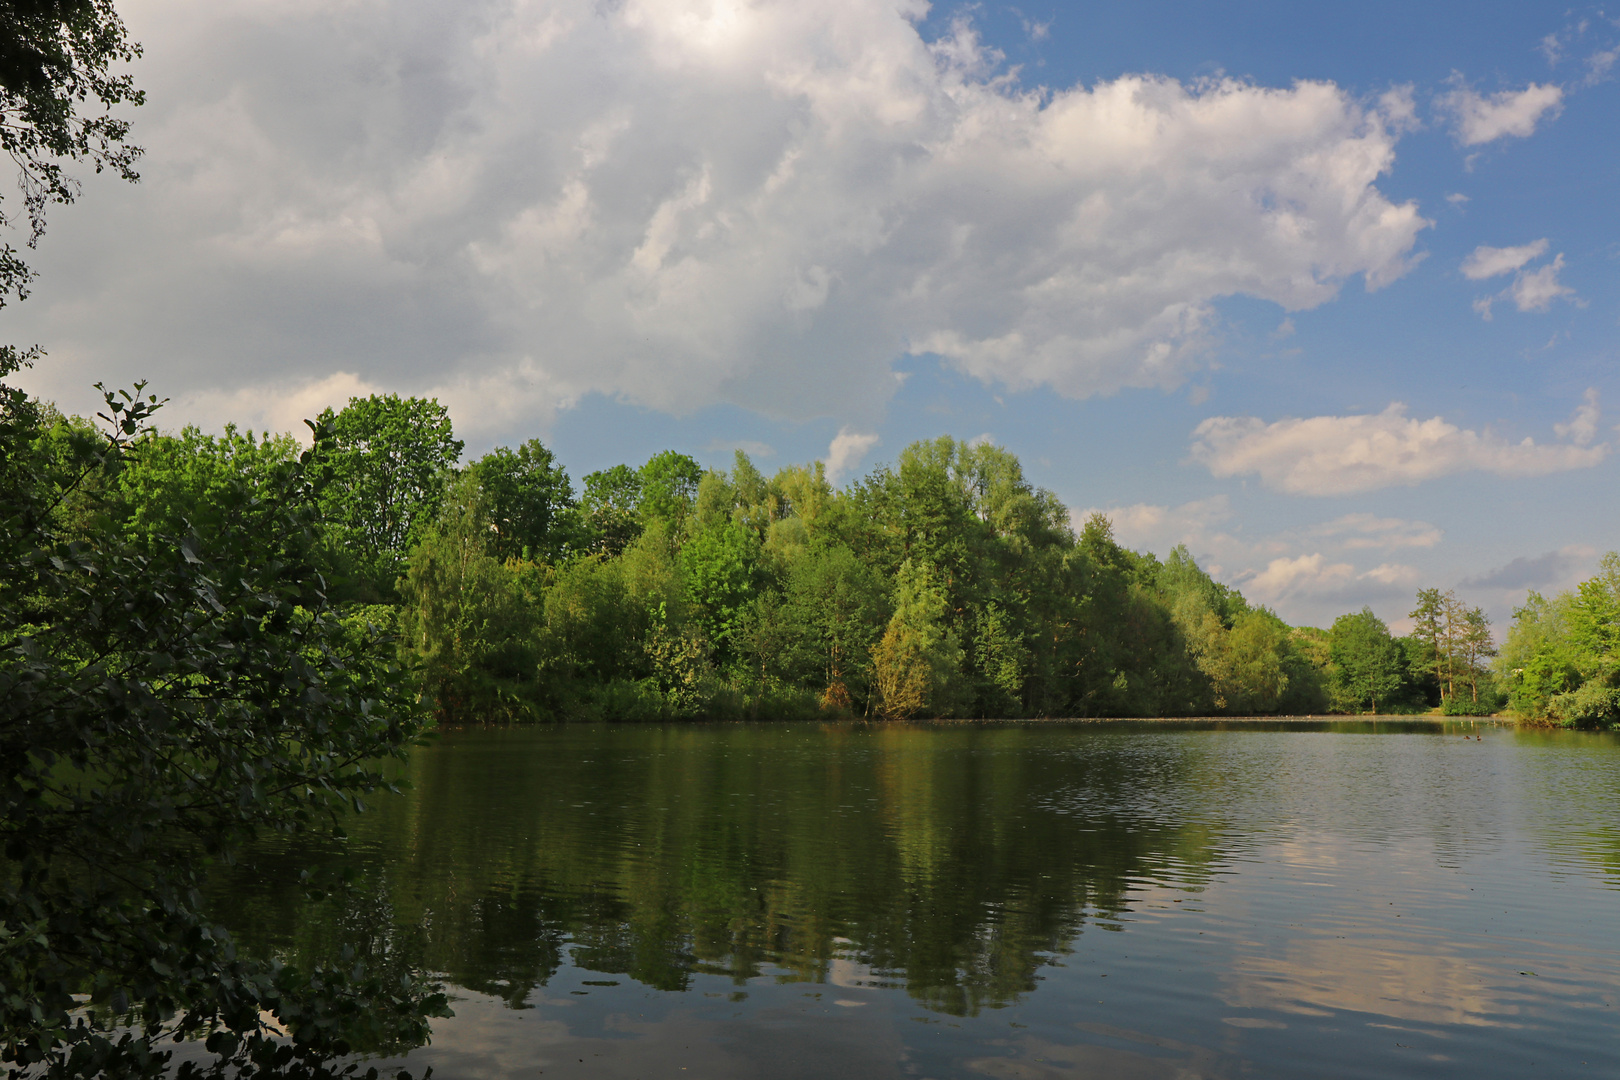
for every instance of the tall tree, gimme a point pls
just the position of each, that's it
(1477, 646)
(1367, 658)
(529, 501)
(1429, 626)
(720, 567)
(919, 661)
(382, 472)
(669, 484)
(610, 511)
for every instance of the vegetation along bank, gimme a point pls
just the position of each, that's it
(945, 585)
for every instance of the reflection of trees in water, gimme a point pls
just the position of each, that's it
(927, 857)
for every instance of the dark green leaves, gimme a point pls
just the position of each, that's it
(164, 697)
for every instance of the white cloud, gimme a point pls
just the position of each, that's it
(1392, 574)
(680, 202)
(1582, 427)
(1486, 262)
(1339, 455)
(1479, 119)
(1600, 64)
(1313, 576)
(1302, 574)
(846, 451)
(1363, 530)
(269, 407)
(1532, 290)
(1149, 527)
(1535, 290)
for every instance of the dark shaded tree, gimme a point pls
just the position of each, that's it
(381, 471)
(161, 705)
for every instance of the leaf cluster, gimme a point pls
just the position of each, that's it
(165, 698)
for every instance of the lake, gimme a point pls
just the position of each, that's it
(1291, 898)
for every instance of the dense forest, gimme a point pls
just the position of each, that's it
(945, 585)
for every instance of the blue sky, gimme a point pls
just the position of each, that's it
(1292, 284)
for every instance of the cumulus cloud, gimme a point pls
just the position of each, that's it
(1339, 455)
(273, 408)
(677, 202)
(1582, 427)
(1532, 290)
(846, 451)
(1536, 290)
(1357, 531)
(1314, 577)
(1152, 527)
(1478, 118)
(1486, 262)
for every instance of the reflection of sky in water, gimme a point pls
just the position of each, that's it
(1056, 902)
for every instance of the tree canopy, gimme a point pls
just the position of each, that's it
(173, 683)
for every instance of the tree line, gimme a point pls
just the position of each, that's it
(1561, 658)
(944, 585)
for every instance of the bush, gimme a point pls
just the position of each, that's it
(1591, 706)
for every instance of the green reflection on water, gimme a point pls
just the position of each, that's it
(932, 858)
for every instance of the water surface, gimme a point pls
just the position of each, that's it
(1017, 901)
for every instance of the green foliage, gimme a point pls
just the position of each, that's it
(529, 500)
(466, 622)
(1560, 661)
(171, 484)
(161, 704)
(1591, 705)
(610, 512)
(382, 471)
(947, 586)
(1368, 665)
(55, 57)
(720, 569)
(819, 632)
(918, 663)
(669, 484)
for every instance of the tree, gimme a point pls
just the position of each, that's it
(919, 661)
(1429, 627)
(161, 706)
(610, 512)
(465, 619)
(720, 567)
(529, 500)
(1476, 646)
(822, 631)
(1594, 616)
(382, 472)
(55, 58)
(669, 484)
(1367, 658)
(169, 484)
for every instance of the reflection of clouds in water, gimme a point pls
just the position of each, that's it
(1389, 940)
(1369, 975)
(1158, 1059)
(645, 1036)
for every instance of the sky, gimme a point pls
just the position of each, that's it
(1327, 293)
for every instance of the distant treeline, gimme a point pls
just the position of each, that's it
(943, 586)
